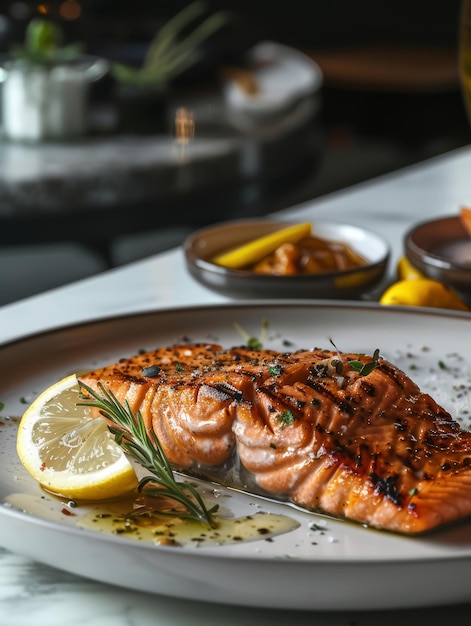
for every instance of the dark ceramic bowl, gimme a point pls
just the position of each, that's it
(206, 243)
(441, 249)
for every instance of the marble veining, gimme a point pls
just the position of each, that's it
(32, 593)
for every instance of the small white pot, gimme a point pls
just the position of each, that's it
(40, 103)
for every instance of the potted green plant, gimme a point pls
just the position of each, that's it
(175, 48)
(45, 86)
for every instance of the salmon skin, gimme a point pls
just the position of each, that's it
(348, 435)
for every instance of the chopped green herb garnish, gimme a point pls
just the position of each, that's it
(442, 365)
(365, 368)
(414, 491)
(2, 406)
(275, 370)
(356, 365)
(362, 368)
(255, 343)
(286, 418)
(179, 367)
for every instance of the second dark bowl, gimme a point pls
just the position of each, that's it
(441, 249)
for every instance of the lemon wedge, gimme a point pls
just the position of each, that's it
(70, 453)
(407, 271)
(255, 250)
(425, 292)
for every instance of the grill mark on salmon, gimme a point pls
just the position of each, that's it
(303, 427)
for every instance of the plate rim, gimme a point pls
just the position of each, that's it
(242, 303)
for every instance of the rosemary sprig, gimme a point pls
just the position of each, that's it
(131, 434)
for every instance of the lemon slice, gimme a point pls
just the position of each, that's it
(425, 292)
(70, 453)
(255, 250)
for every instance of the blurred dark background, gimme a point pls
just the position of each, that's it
(391, 94)
(390, 98)
(295, 22)
(391, 91)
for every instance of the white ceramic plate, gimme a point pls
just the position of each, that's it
(328, 565)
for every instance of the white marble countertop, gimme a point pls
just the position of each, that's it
(37, 594)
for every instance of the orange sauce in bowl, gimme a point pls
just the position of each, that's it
(310, 255)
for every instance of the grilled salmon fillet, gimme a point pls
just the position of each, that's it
(348, 435)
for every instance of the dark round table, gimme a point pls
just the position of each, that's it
(117, 181)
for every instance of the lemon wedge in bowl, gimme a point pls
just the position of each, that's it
(425, 292)
(256, 249)
(69, 452)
